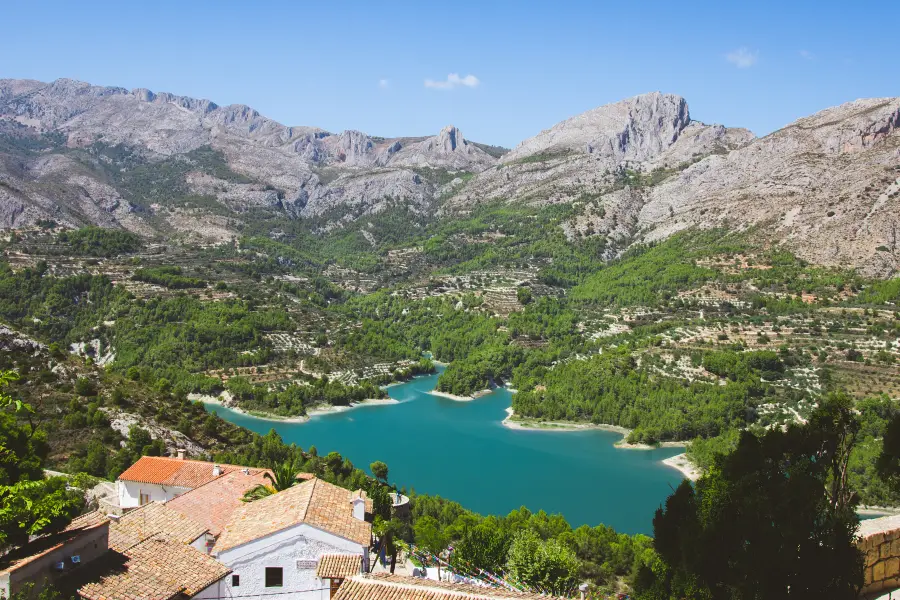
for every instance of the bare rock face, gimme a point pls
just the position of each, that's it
(447, 150)
(827, 185)
(586, 155)
(161, 125)
(358, 196)
(634, 130)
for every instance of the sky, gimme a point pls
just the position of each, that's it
(500, 71)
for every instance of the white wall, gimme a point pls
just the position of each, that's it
(129, 492)
(283, 549)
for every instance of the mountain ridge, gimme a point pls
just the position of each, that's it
(635, 170)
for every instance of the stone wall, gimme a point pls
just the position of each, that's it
(881, 545)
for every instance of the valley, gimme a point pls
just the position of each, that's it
(177, 275)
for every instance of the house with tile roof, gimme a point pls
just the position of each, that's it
(162, 478)
(214, 503)
(275, 546)
(154, 553)
(51, 557)
(156, 518)
(384, 586)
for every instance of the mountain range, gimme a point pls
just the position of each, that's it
(826, 186)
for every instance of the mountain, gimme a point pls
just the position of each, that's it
(68, 143)
(640, 169)
(827, 186)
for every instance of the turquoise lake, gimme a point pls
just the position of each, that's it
(461, 451)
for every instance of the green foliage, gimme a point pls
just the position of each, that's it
(545, 565)
(646, 275)
(609, 388)
(379, 470)
(773, 515)
(100, 242)
(170, 277)
(29, 504)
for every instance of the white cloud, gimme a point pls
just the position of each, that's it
(807, 55)
(453, 80)
(742, 58)
(384, 84)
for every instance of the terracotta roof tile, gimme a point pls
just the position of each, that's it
(314, 502)
(338, 566)
(149, 520)
(384, 586)
(45, 544)
(164, 470)
(159, 568)
(213, 504)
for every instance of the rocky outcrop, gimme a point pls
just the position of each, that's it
(633, 130)
(447, 150)
(828, 186)
(154, 125)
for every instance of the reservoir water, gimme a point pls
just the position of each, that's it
(461, 451)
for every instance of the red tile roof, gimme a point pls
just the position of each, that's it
(384, 586)
(46, 544)
(314, 502)
(212, 504)
(149, 520)
(159, 568)
(164, 470)
(338, 566)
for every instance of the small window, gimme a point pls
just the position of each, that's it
(274, 577)
(144, 498)
(235, 581)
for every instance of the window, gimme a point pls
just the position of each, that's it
(145, 498)
(274, 577)
(235, 581)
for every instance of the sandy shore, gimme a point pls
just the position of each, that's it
(315, 412)
(531, 425)
(683, 464)
(456, 398)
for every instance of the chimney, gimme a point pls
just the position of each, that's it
(217, 470)
(181, 454)
(245, 471)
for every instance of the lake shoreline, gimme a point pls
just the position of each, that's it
(315, 412)
(679, 462)
(457, 398)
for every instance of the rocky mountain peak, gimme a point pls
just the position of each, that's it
(449, 138)
(635, 129)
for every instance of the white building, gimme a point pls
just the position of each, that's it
(295, 544)
(162, 478)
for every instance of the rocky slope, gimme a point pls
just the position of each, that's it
(828, 185)
(67, 187)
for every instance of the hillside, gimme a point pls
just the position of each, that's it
(637, 170)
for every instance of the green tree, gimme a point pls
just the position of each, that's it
(545, 565)
(281, 477)
(773, 519)
(431, 537)
(379, 470)
(29, 504)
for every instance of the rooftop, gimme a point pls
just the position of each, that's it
(149, 520)
(339, 566)
(384, 586)
(45, 544)
(158, 568)
(213, 503)
(165, 470)
(315, 502)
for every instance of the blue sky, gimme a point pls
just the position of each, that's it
(519, 67)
